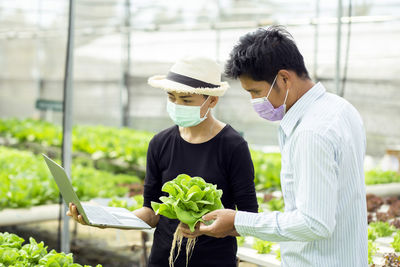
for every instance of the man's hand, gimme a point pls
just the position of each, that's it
(73, 212)
(222, 226)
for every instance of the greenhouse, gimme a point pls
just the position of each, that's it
(199, 133)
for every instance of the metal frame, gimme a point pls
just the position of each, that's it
(67, 120)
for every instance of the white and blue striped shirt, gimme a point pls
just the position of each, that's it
(322, 142)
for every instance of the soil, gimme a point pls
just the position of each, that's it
(90, 247)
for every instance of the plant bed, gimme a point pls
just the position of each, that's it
(121, 148)
(91, 246)
(117, 150)
(383, 233)
(25, 181)
(15, 251)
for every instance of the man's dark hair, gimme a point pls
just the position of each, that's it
(262, 53)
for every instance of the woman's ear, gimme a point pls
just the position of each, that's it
(213, 101)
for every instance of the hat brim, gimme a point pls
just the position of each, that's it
(160, 81)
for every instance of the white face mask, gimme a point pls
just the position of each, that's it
(186, 116)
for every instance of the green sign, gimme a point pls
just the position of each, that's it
(42, 104)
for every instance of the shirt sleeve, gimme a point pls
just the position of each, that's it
(242, 179)
(315, 188)
(152, 183)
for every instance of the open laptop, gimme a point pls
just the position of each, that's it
(93, 215)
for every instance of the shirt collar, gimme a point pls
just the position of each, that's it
(299, 108)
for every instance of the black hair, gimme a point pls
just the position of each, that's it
(262, 53)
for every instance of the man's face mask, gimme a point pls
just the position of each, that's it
(186, 116)
(266, 110)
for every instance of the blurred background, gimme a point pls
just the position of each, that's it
(120, 43)
(351, 46)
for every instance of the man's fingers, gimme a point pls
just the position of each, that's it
(205, 228)
(210, 216)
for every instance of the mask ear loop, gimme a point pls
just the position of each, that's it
(270, 89)
(205, 101)
(287, 92)
(205, 115)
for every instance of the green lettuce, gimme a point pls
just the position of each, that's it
(382, 229)
(262, 247)
(189, 199)
(396, 242)
(32, 254)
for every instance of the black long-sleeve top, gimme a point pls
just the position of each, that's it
(225, 161)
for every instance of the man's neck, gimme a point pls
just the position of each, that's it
(303, 87)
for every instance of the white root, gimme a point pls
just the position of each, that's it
(189, 248)
(177, 242)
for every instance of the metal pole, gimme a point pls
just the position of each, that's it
(218, 34)
(126, 61)
(217, 44)
(67, 118)
(38, 56)
(338, 46)
(316, 37)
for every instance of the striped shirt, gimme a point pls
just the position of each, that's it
(322, 142)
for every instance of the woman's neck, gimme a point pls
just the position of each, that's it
(202, 132)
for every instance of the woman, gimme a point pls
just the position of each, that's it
(198, 145)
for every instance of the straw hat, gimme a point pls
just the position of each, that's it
(193, 74)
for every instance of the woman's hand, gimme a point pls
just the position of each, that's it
(148, 216)
(73, 212)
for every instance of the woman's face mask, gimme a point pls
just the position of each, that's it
(266, 110)
(186, 116)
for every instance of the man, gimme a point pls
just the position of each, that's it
(322, 142)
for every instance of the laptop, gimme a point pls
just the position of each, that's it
(102, 216)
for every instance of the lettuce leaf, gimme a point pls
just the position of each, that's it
(189, 199)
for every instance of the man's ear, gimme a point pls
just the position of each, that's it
(284, 79)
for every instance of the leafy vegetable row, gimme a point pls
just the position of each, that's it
(127, 145)
(25, 181)
(130, 146)
(99, 141)
(33, 254)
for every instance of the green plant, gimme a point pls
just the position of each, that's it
(262, 247)
(378, 176)
(240, 240)
(371, 251)
(121, 203)
(33, 254)
(276, 204)
(371, 234)
(267, 168)
(189, 199)
(102, 145)
(396, 242)
(100, 142)
(278, 254)
(26, 181)
(382, 229)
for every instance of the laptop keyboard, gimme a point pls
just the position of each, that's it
(99, 216)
